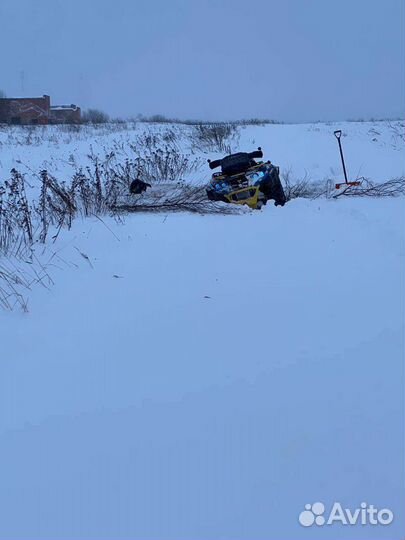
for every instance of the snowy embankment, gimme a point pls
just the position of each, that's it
(207, 376)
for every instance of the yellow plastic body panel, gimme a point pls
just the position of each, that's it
(244, 196)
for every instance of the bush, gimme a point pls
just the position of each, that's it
(95, 116)
(214, 137)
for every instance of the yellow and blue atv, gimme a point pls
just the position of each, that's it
(242, 180)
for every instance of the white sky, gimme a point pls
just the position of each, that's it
(291, 60)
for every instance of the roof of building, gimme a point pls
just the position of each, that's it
(64, 107)
(24, 98)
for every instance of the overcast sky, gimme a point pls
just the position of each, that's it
(291, 60)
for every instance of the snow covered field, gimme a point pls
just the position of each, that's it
(372, 149)
(205, 377)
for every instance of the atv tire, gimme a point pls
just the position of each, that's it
(212, 196)
(273, 188)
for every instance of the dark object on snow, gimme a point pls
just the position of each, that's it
(338, 134)
(244, 181)
(138, 186)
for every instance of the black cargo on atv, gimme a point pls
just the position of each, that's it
(242, 180)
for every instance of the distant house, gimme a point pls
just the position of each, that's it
(36, 111)
(65, 114)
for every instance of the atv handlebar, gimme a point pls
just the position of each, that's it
(251, 155)
(214, 164)
(256, 154)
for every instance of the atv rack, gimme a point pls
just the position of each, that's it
(346, 183)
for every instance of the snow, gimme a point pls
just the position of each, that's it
(63, 108)
(372, 149)
(207, 376)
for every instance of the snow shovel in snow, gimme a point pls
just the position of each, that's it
(338, 134)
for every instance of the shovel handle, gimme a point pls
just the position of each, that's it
(338, 133)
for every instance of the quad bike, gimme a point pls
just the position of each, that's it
(242, 180)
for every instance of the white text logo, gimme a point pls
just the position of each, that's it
(367, 514)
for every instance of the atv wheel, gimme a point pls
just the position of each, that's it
(273, 188)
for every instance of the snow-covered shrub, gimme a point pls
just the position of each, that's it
(214, 137)
(391, 188)
(16, 227)
(301, 188)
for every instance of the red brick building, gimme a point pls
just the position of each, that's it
(65, 114)
(25, 110)
(37, 111)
